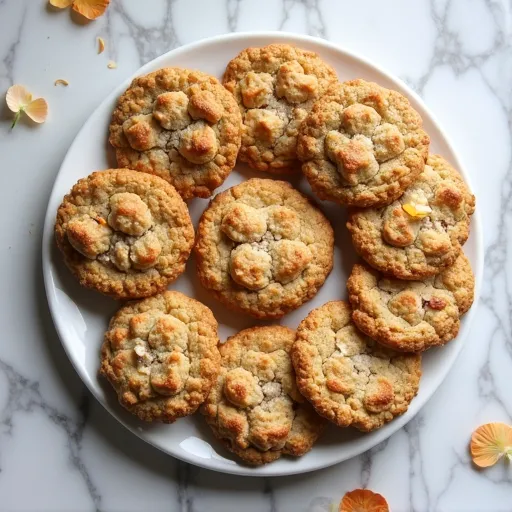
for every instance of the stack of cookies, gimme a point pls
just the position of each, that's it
(264, 249)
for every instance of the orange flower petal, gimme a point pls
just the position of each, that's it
(17, 97)
(61, 4)
(37, 110)
(490, 442)
(101, 45)
(90, 9)
(61, 81)
(363, 500)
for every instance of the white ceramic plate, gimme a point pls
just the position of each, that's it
(81, 316)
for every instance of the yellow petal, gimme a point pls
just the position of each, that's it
(37, 110)
(101, 45)
(111, 65)
(490, 442)
(363, 500)
(61, 81)
(90, 9)
(61, 4)
(418, 211)
(17, 97)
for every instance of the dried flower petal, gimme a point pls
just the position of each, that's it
(101, 45)
(37, 110)
(17, 98)
(90, 9)
(61, 81)
(490, 442)
(111, 65)
(363, 500)
(417, 211)
(61, 4)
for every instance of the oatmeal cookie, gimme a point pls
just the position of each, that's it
(263, 248)
(421, 233)
(349, 378)
(123, 233)
(181, 125)
(161, 356)
(362, 145)
(254, 409)
(411, 316)
(275, 87)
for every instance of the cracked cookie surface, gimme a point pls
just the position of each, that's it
(255, 409)
(362, 144)
(411, 316)
(349, 378)
(181, 125)
(422, 232)
(263, 248)
(123, 233)
(275, 87)
(161, 356)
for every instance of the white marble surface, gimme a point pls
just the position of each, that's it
(59, 450)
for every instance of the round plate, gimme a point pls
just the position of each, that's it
(81, 316)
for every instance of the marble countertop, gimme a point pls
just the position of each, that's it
(59, 449)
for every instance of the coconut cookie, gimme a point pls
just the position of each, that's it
(123, 233)
(422, 232)
(349, 378)
(160, 354)
(181, 125)
(263, 248)
(362, 145)
(275, 87)
(255, 408)
(411, 316)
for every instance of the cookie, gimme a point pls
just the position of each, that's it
(275, 87)
(411, 316)
(178, 124)
(254, 409)
(263, 248)
(421, 233)
(362, 145)
(160, 354)
(349, 378)
(123, 233)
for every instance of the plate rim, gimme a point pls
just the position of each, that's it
(276, 37)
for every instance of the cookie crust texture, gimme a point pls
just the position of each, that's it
(362, 145)
(407, 247)
(255, 409)
(275, 87)
(411, 316)
(161, 356)
(263, 248)
(123, 233)
(349, 378)
(180, 125)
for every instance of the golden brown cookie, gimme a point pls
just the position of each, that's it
(422, 232)
(181, 125)
(349, 378)
(255, 409)
(275, 87)
(123, 233)
(263, 248)
(160, 354)
(411, 316)
(362, 144)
